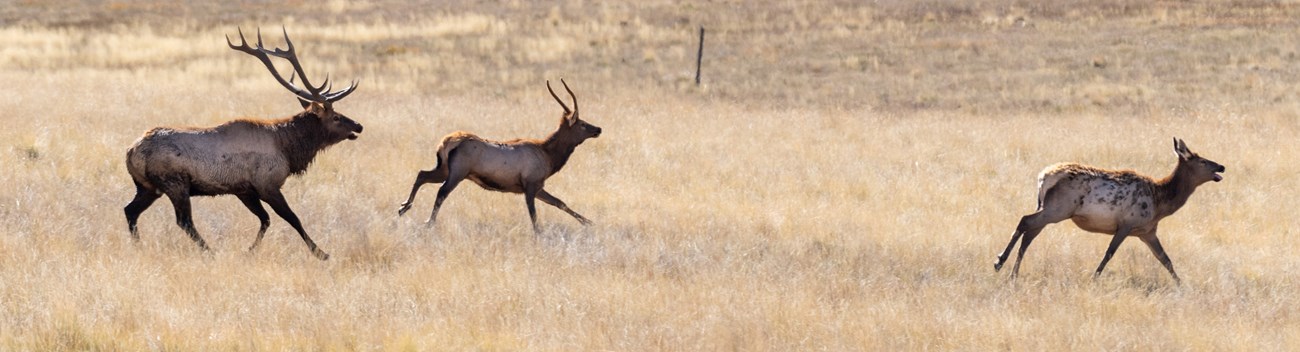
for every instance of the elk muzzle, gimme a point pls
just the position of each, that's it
(353, 135)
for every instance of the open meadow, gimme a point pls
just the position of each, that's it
(842, 180)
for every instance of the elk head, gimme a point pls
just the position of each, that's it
(337, 126)
(1199, 170)
(317, 101)
(572, 127)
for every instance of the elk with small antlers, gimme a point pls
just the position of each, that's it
(1119, 203)
(247, 158)
(515, 166)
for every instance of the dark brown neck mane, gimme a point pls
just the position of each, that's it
(1173, 190)
(300, 138)
(558, 147)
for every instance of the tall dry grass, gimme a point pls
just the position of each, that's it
(842, 181)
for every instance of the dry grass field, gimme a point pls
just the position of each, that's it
(842, 180)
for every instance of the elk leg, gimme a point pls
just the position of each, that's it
(1029, 238)
(1153, 242)
(281, 208)
(1029, 227)
(552, 200)
(181, 203)
(1110, 250)
(443, 191)
(1015, 236)
(530, 193)
(255, 205)
(420, 179)
(1052, 209)
(143, 199)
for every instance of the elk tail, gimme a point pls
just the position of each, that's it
(449, 144)
(137, 169)
(1046, 180)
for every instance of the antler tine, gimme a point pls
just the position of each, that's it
(557, 97)
(292, 56)
(261, 54)
(333, 97)
(288, 43)
(571, 95)
(242, 42)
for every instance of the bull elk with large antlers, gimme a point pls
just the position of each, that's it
(515, 166)
(247, 158)
(1119, 203)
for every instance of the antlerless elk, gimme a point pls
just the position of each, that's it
(1119, 203)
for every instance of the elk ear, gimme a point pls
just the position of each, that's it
(1180, 148)
(304, 102)
(314, 108)
(572, 119)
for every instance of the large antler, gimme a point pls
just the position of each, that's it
(320, 94)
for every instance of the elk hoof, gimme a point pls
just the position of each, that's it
(997, 267)
(585, 222)
(402, 211)
(320, 254)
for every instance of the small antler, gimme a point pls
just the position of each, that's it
(557, 98)
(319, 94)
(571, 95)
